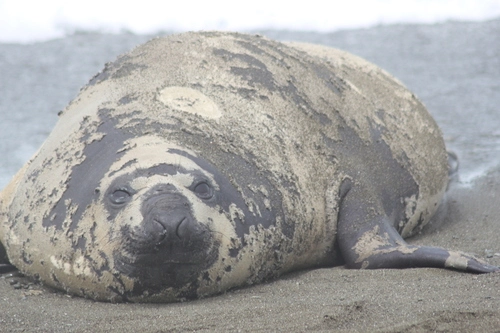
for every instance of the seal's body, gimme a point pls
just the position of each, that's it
(205, 161)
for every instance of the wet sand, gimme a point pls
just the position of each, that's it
(454, 68)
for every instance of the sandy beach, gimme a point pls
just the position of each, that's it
(454, 68)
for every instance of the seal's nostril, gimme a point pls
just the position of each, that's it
(161, 231)
(180, 230)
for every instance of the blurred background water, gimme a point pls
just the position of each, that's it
(31, 20)
(447, 52)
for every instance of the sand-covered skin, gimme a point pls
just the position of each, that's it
(438, 63)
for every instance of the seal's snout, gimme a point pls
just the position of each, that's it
(166, 214)
(169, 227)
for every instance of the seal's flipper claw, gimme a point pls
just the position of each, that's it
(370, 241)
(468, 263)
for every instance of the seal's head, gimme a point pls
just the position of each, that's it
(168, 216)
(162, 217)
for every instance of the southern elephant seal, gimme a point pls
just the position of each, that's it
(205, 161)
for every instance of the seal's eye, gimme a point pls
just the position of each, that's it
(203, 191)
(120, 196)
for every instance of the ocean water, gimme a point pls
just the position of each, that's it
(31, 20)
(446, 52)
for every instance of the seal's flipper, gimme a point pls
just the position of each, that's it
(369, 240)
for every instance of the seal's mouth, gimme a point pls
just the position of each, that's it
(171, 263)
(180, 263)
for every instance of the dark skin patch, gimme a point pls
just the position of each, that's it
(102, 267)
(85, 177)
(3, 255)
(5, 265)
(373, 165)
(330, 80)
(127, 99)
(119, 68)
(257, 76)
